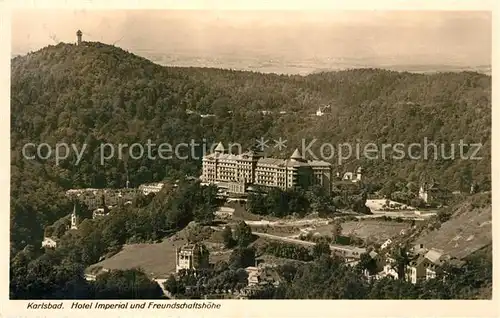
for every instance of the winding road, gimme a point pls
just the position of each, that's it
(335, 248)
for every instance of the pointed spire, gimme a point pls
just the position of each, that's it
(296, 155)
(127, 183)
(74, 218)
(220, 148)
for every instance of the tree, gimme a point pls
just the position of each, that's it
(61, 228)
(388, 188)
(403, 197)
(368, 263)
(243, 234)
(417, 203)
(227, 237)
(204, 214)
(205, 204)
(359, 205)
(402, 259)
(412, 187)
(287, 271)
(126, 284)
(49, 231)
(466, 177)
(242, 257)
(287, 250)
(320, 201)
(298, 203)
(256, 204)
(48, 276)
(141, 200)
(221, 266)
(336, 230)
(172, 285)
(321, 248)
(194, 233)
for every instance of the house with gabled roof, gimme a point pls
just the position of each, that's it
(424, 267)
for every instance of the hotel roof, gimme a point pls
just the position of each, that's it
(434, 256)
(319, 163)
(296, 159)
(228, 156)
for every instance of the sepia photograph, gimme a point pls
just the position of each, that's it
(168, 155)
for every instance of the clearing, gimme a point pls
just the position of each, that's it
(158, 259)
(375, 230)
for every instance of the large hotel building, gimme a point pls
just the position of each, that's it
(237, 172)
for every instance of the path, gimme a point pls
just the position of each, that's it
(161, 281)
(303, 222)
(352, 250)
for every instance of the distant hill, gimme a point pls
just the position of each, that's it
(265, 64)
(98, 93)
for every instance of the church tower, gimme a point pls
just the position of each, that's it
(74, 219)
(78, 37)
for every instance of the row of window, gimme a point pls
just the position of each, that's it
(259, 167)
(270, 183)
(260, 177)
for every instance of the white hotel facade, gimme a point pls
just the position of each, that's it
(236, 172)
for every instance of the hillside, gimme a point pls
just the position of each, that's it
(97, 93)
(468, 229)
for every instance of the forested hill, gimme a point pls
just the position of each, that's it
(97, 93)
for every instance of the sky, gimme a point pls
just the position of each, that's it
(370, 38)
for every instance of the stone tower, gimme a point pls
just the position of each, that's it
(79, 37)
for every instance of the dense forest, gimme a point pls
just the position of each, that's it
(43, 273)
(96, 93)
